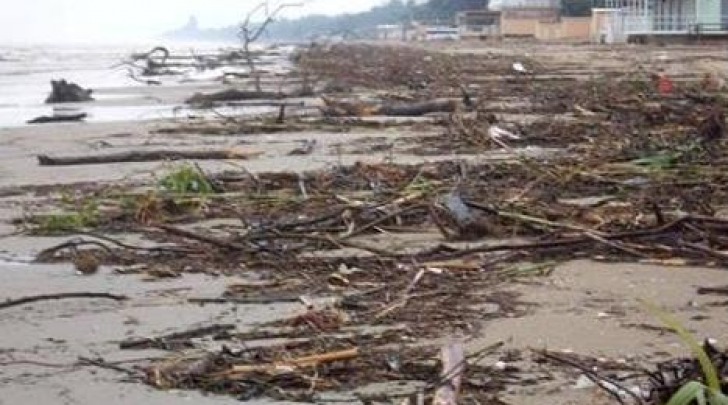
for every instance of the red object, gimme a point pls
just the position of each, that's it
(664, 85)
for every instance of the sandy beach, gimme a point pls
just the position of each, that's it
(587, 305)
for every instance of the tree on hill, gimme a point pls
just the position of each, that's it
(356, 25)
(363, 24)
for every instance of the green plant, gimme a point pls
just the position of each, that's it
(691, 392)
(667, 159)
(186, 179)
(86, 216)
(421, 185)
(660, 161)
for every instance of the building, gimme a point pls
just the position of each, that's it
(540, 19)
(525, 21)
(441, 33)
(391, 32)
(627, 20)
(479, 23)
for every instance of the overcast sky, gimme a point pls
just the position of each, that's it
(118, 20)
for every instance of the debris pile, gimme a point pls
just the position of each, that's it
(385, 258)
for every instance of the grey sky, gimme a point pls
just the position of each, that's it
(118, 20)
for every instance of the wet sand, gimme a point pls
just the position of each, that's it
(585, 307)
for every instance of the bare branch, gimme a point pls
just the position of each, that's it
(248, 35)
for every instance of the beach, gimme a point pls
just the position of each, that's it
(588, 304)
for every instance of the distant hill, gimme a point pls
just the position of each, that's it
(192, 32)
(358, 25)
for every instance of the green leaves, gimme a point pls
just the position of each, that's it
(667, 159)
(689, 393)
(695, 392)
(186, 179)
(78, 217)
(660, 161)
(692, 391)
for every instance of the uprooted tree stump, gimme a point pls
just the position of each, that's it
(156, 61)
(63, 91)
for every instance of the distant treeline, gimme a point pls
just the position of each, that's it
(357, 25)
(363, 25)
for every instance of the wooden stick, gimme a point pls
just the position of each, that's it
(562, 242)
(221, 243)
(144, 343)
(613, 386)
(337, 243)
(146, 156)
(270, 299)
(46, 297)
(713, 290)
(289, 365)
(453, 366)
(378, 221)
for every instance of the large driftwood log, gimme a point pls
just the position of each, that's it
(232, 95)
(68, 92)
(338, 108)
(421, 108)
(146, 156)
(47, 119)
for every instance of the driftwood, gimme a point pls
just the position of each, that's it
(160, 52)
(46, 119)
(250, 33)
(148, 82)
(713, 290)
(453, 366)
(156, 61)
(241, 371)
(220, 243)
(585, 238)
(67, 92)
(232, 95)
(48, 297)
(270, 299)
(101, 363)
(307, 147)
(146, 156)
(338, 108)
(610, 385)
(417, 109)
(162, 341)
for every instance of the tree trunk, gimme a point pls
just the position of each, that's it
(145, 156)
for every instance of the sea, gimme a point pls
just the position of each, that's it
(26, 72)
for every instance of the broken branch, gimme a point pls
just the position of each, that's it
(48, 297)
